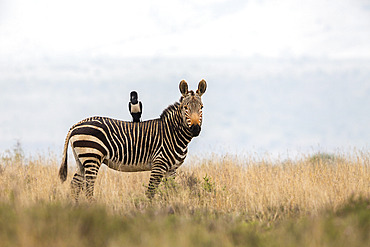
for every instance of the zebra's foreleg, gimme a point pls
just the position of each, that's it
(155, 178)
(77, 184)
(91, 171)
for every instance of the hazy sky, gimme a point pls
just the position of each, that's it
(273, 28)
(282, 75)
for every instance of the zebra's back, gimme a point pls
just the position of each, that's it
(124, 146)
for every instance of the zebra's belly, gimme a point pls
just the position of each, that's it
(128, 168)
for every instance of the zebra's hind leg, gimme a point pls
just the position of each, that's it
(91, 171)
(77, 184)
(155, 178)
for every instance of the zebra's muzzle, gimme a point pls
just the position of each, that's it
(195, 129)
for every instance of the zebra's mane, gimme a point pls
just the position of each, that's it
(170, 109)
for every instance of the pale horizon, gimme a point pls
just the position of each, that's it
(284, 77)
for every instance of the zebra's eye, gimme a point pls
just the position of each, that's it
(185, 107)
(201, 106)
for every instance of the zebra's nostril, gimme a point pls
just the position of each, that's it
(195, 129)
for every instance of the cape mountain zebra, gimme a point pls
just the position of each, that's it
(158, 145)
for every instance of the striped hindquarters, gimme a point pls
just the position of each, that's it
(121, 143)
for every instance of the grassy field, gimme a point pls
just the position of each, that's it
(320, 200)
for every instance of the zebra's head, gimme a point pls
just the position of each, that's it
(191, 106)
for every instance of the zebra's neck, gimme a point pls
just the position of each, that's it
(176, 129)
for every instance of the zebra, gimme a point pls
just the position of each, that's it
(158, 145)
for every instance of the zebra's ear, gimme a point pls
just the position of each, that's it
(202, 86)
(183, 88)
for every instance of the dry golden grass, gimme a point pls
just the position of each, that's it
(256, 190)
(320, 200)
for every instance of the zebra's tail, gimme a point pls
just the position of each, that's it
(63, 167)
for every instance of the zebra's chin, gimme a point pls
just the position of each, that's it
(195, 130)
